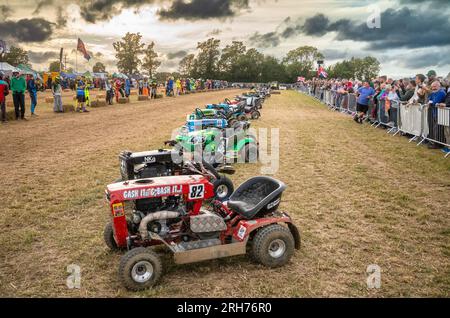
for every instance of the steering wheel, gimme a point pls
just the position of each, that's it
(199, 113)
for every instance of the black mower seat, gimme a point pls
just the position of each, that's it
(259, 194)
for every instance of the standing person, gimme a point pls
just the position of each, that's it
(446, 103)
(109, 91)
(127, 87)
(18, 88)
(117, 88)
(178, 84)
(57, 95)
(437, 96)
(3, 93)
(141, 87)
(86, 91)
(81, 98)
(154, 88)
(365, 93)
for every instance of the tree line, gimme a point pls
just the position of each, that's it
(234, 63)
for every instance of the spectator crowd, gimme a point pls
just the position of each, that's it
(422, 89)
(19, 86)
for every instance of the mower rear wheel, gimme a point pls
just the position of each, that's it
(108, 236)
(273, 246)
(249, 154)
(140, 269)
(242, 118)
(255, 115)
(223, 188)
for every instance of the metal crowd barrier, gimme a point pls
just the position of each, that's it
(412, 121)
(422, 122)
(388, 116)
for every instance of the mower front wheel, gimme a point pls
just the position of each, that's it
(140, 269)
(108, 236)
(223, 188)
(255, 115)
(272, 246)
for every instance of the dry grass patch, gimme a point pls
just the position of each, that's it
(358, 195)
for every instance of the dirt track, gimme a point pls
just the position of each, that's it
(359, 196)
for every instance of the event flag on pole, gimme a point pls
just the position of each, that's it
(82, 48)
(321, 72)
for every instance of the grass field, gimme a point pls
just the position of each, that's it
(358, 195)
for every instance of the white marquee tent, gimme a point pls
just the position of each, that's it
(7, 68)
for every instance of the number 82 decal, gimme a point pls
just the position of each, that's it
(196, 191)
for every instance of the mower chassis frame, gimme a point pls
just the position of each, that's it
(209, 253)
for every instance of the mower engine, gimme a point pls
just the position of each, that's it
(163, 207)
(148, 164)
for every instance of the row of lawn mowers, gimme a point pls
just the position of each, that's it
(180, 198)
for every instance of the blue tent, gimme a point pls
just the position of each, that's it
(68, 75)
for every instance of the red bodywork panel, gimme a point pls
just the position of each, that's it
(194, 188)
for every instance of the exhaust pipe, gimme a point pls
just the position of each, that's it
(163, 215)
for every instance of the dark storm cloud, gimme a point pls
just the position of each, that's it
(317, 25)
(42, 4)
(424, 1)
(41, 57)
(202, 9)
(5, 11)
(27, 30)
(427, 59)
(61, 17)
(270, 39)
(100, 10)
(176, 55)
(402, 28)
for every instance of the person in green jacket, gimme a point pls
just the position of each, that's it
(18, 88)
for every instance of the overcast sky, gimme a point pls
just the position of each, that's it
(414, 35)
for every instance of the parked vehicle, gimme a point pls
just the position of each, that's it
(170, 211)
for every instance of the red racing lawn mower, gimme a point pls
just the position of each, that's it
(169, 211)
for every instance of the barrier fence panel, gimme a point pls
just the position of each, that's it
(343, 105)
(438, 123)
(444, 121)
(388, 114)
(412, 120)
(352, 102)
(372, 112)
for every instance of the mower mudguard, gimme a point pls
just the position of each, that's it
(246, 227)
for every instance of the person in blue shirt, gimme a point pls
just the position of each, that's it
(81, 97)
(32, 90)
(127, 87)
(436, 97)
(365, 93)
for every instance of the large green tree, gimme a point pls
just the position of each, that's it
(250, 66)
(356, 68)
(99, 67)
(273, 70)
(205, 64)
(128, 51)
(151, 62)
(229, 61)
(15, 56)
(367, 68)
(301, 62)
(54, 66)
(187, 65)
